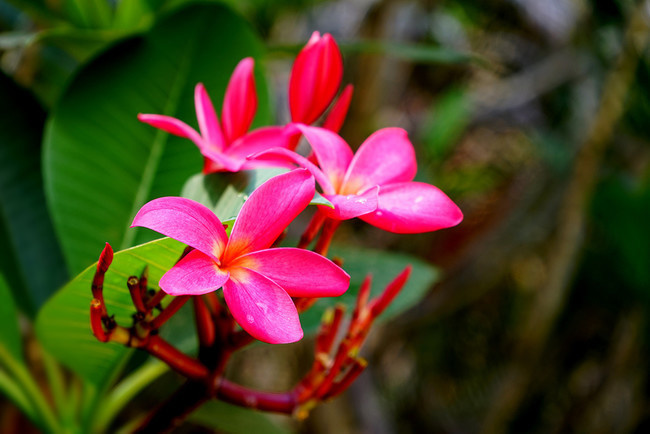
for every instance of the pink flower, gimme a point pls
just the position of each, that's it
(315, 79)
(375, 184)
(258, 282)
(226, 144)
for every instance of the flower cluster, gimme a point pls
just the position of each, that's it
(375, 184)
(265, 287)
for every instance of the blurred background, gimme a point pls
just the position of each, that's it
(534, 117)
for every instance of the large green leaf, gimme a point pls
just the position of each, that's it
(101, 164)
(31, 257)
(63, 325)
(384, 267)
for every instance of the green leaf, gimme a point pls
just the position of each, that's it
(31, 257)
(63, 325)
(101, 164)
(232, 419)
(384, 267)
(225, 193)
(9, 334)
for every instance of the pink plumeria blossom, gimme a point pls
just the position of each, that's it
(226, 144)
(315, 79)
(258, 282)
(375, 184)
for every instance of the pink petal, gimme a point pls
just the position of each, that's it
(333, 154)
(301, 273)
(207, 117)
(257, 141)
(414, 207)
(351, 205)
(261, 307)
(385, 157)
(268, 211)
(285, 158)
(240, 101)
(186, 221)
(215, 161)
(315, 78)
(195, 274)
(173, 126)
(336, 116)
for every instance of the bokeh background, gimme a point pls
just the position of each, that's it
(533, 116)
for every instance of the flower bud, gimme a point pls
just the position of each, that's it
(315, 78)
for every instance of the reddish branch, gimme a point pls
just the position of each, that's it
(335, 367)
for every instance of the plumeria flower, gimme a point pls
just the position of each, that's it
(258, 282)
(375, 184)
(226, 144)
(315, 80)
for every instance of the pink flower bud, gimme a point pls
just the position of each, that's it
(315, 78)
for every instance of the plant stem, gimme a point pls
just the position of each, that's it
(255, 399)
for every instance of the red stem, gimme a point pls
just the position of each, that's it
(312, 229)
(204, 323)
(340, 386)
(379, 304)
(329, 328)
(255, 399)
(173, 307)
(178, 361)
(133, 283)
(96, 320)
(155, 300)
(329, 228)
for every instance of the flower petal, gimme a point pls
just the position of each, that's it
(413, 207)
(315, 78)
(333, 154)
(385, 157)
(351, 205)
(207, 117)
(186, 221)
(257, 141)
(301, 273)
(284, 158)
(173, 126)
(268, 211)
(215, 161)
(336, 116)
(261, 307)
(195, 274)
(240, 101)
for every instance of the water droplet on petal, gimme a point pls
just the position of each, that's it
(419, 199)
(379, 213)
(250, 319)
